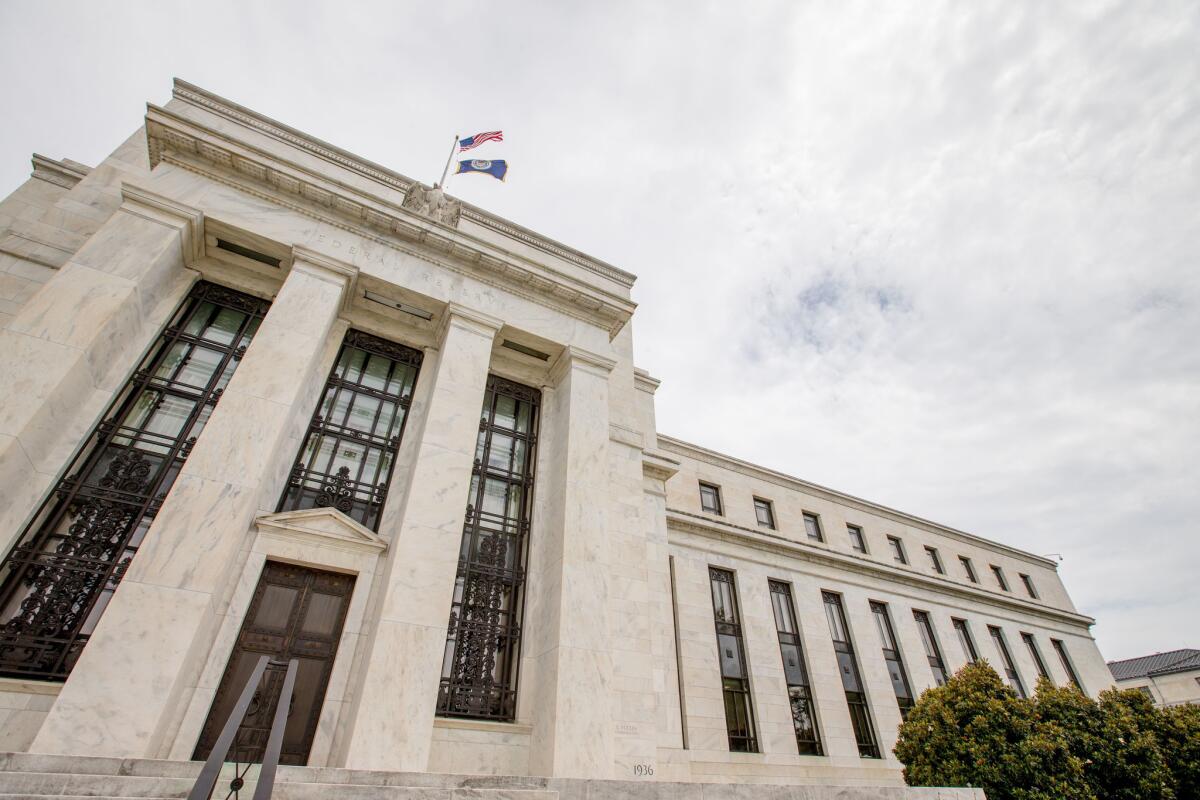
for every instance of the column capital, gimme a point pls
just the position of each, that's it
(328, 268)
(141, 202)
(461, 316)
(573, 357)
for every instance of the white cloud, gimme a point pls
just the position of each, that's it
(943, 256)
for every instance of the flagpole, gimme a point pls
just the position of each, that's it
(449, 158)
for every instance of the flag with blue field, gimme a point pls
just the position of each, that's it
(497, 169)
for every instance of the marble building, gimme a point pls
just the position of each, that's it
(263, 396)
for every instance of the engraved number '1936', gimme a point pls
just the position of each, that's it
(641, 770)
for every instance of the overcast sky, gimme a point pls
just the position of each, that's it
(943, 257)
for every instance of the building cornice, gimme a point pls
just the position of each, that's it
(158, 208)
(64, 173)
(789, 482)
(686, 522)
(194, 95)
(185, 143)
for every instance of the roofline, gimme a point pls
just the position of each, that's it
(189, 92)
(720, 459)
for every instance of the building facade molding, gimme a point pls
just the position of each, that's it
(159, 208)
(64, 172)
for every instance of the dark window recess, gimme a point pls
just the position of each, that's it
(891, 656)
(710, 498)
(764, 512)
(932, 652)
(60, 576)
(856, 538)
(964, 639)
(1000, 580)
(897, 549)
(735, 677)
(795, 670)
(1028, 581)
(1010, 669)
(1036, 655)
(935, 560)
(1068, 667)
(246, 252)
(479, 670)
(969, 569)
(812, 527)
(856, 693)
(347, 458)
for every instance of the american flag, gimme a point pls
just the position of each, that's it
(478, 139)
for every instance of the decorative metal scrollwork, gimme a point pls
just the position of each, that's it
(336, 493)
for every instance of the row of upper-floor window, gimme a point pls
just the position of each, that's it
(741, 727)
(712, 502)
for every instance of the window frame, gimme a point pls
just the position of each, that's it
(858, 539)
(761, 503)
(1001, 581)
(1060, 647)
(805, 747)
(969, 569)
(735, 697)
(857, 701)
(935, 559)
(892, 657)
(898, 553)
(962, 629)
(933, 650)
(719, 510)
(1030, 589)
(1006, 661)
(1036, 654)
(815, 519)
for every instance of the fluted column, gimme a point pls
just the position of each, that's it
(125, 695)
(395, 706)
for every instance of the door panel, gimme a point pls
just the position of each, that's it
(298, 613)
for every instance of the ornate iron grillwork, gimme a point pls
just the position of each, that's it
(59, 577)
(479, 670)
(347, 458)
(735, 677)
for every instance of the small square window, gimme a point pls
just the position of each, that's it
(999, 577)
(935, 560)
(969, 569)
(1028, 581)
(710, 498)
(897, 549)
(812, 527)
(765, 513)
(1146, 691)
(856, 538)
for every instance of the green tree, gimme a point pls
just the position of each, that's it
(1179, 737)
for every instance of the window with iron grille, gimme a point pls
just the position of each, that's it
(1010, 668)
(1036, 655)
(964, 639)
(347, 458)
(795, 670)
(479, 668)
(1061, 649)
(856, 693)
(891, 656)
(932, 651)
(60, 576)
(735, 675)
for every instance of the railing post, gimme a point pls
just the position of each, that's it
(202, 790)
(266, 775)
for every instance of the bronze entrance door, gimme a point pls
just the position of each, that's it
(296, 613)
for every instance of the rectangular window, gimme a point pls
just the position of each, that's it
(968, 569)
(735, 675)
(764, 512)
(891, 656)
(57, 580)
(812, 527)
(1010, 669)
(856, 693)
(1000, 580)
(857, 541)
(346, 460)
(935, 560)
(1146, 691)
(1036, 655)
(1061, 649)
(710, 498)
(964, 639)
(932, 651)
(1028, 581)
(897, 549)
(795, 670)
(483, 637)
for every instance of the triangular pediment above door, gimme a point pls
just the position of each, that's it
(327, 525)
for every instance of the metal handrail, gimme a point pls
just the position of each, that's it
(207, 780)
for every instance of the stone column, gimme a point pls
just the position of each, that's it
(569, 575)
(72, 343)
(125, 695)
(393, 718)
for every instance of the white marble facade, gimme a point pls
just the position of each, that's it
(619, 672)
